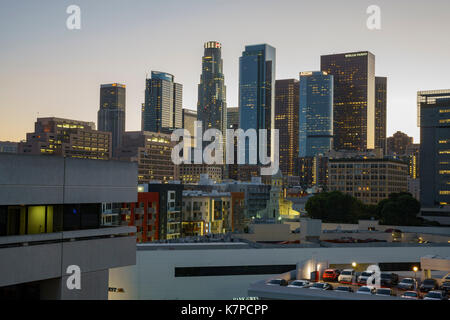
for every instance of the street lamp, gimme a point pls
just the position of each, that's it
(354, 264)
(415, 270)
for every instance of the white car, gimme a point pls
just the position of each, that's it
(435, 295)
(365, 290)
(411, 295)
(300, 284)
(347, 276)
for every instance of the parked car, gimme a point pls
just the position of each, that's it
(428, 285)
(407, 284)
(435, 295)
(411, 295)
(331, 275)
(446, 286)
(362, 279)
(388, 279)
(347, 276)
(344, 289)
(387, 292)
(366, 290)
(277, 282)
(321, 286)
(300, 284)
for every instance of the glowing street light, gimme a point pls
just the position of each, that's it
(354, 264)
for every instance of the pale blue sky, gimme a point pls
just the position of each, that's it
(47, 69)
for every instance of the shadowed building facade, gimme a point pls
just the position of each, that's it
(162, 110)
(257, 91)
(286, 121)
(434, 122)
(111, 116)
(354, 99)
(380, 112)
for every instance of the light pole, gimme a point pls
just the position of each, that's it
(415, 279)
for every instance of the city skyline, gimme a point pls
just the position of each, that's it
(44, 59)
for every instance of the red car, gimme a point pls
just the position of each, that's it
(330, 275)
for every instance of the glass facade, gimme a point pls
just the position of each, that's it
(212, 106)
(111, 116)
(286, 121)
(315, 113)
(162, 109)
(380, 112)
(434, 117)
(354, 99)
(256, 90)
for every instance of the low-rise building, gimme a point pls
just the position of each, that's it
(67, 138)
(369, 180)
(153, 153)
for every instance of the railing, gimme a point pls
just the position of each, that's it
(76, 235)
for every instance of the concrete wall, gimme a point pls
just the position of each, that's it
(30, 180)
(153, 277)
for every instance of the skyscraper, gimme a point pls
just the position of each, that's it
(232, 118)
(380, 112)
(315, 113)
(257, 90)
(111, 116)
(212, 106)
(162, 109)
(434, 122)
(286, 121)
(354, 99)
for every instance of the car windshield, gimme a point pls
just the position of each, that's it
(364, 289)
(329, 272)
(385, 275)
(407, 280)
(384, 291)
(366, 274)
(410, 294)
(275, 281)
(434, 295)
(346, 273)
(319, 285)
(298, 283)
(343, 289)
(428, 281)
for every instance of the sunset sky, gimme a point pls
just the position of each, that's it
(48, 70)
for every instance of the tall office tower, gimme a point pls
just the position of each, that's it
(162, 110)
(212, 105)
(232, 118)
(111, 116)
(286, 121)
(67, 138)
(354, 99)
(189, 118)
(380, 112)
(434, 122)
(315, 113)
(257, 91)
(232, 170)
(398, 143)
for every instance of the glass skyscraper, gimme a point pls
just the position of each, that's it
(212, 106)
(286, 121)
(162, 110)
(434, 122)
(257, 90)
(315, 113)
(380, 112)
(111, 116)
(354, 99)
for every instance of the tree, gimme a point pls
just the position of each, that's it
(399, 209)
(335, 207)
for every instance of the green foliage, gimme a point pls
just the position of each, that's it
(336, 207)
(399, 209)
